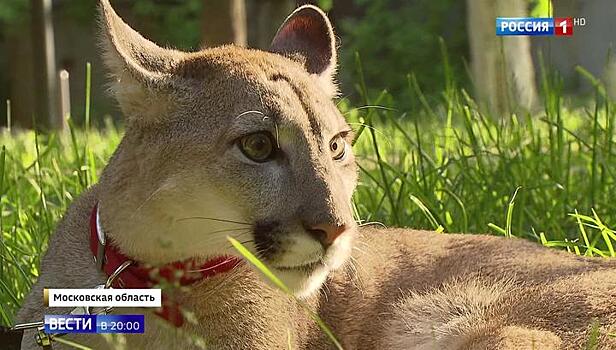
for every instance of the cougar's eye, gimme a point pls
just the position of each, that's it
(257, 147)
(338, 147)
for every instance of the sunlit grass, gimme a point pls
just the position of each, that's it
(40, 175)
(464, 178)
(454, 168)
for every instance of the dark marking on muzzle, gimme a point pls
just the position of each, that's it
(267, 238)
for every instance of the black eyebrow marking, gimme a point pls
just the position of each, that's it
(347, 134)
(315, 128)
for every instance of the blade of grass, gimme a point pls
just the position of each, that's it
(272, 277)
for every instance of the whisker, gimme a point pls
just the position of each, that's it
(359, 250)
(355, 274)
(267, 250)
(230, 246)
(342, 99)
(216, 240)
(239, 230)
(213, 219)
(326, 291)
(212, 267)
(270, 248)
(247, 241)
(150, 197)
(248, 112)
(261, 255)
(373, 223)
(368, 107)
(364, 244)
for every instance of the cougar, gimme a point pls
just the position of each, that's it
(248, 144)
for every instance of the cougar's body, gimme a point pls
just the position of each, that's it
(248, 144)
(402, 289)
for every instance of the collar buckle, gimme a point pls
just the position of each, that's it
(100, 235)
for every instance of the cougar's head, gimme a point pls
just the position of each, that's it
(232, 142)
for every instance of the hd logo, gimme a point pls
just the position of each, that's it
(537, 26)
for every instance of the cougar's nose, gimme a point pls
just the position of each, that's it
(326, 233)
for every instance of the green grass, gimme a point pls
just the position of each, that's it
(453, 168)
(445, 166)
(39, 178)
(460, 171)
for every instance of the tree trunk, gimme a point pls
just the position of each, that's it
(20, 76)
(47, 110)
(502, 68)
(267, 16)
(224, 22)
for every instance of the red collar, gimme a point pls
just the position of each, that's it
(139, 275)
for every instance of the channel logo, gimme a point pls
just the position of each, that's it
(563, 26)
(94, 324)
(558, 26)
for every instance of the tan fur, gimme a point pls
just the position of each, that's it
(178, 165)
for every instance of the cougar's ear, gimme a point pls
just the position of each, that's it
(307, 37)
(141, 70)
